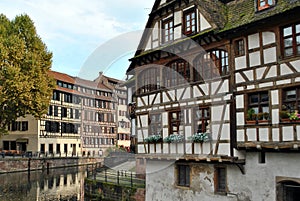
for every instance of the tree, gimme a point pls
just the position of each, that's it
(25, 86)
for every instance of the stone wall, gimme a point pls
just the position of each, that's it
(24, 164)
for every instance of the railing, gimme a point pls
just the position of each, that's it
(120, 177)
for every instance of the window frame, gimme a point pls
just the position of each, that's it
(175, 122)
(267, 4)
(155, 124)
(190, 23)
(176, 73)
(295, 101)
(212, 64)
(149, 80)
(183, 175)
(220, 188)
(168, 32)
(259, 104)
(204, 119)
(239, 48)
(293, 36)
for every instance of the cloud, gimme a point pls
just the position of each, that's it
(75, 28)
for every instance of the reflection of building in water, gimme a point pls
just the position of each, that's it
(64, 186)
(40, 186)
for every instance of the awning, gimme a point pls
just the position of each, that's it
(22, 140)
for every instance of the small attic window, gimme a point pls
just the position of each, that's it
(264, 4)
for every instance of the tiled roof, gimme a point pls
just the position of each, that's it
(62, 77)
(243, 12)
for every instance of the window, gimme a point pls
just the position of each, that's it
(42, 148)
(71, 113)
(239, 48)
(63, 112)
(19, 126)
(201, 118)
(50, 110)
(288, 190)
(259, 102)
(56, 111)
(50, 148)
(56, 95)
(52, 127)
(24, 125)
(68, 98)
(77, 115)
(189, 24)
(149, 80)
(291, 99)
(183, 175)
(177, 73)
(155, 124)
(211, 65)
(57, 148)
(263, 4)
(220, 180)
(291, 40)
(65, 148)
(175, 118)
(167, 30)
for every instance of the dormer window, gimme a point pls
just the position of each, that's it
(189, 24)
(264, 4)
(167, 32)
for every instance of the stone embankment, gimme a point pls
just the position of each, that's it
(8, 165)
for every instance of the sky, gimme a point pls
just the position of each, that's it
(86, 36)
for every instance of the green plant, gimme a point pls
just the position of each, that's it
(174, 138)
(266, 116)
(153, 139)
(251, 114)
(284, 115)
(260, 116)
(294, 116)
(199, 137)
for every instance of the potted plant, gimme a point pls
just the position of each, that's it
(260, 116)
(284, 116)
(174, 138)
(266, 116)
(153, 139)
(294, 116)
(263, 117)
(251, 116)
(199, 137)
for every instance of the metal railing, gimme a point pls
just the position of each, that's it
(119, 177)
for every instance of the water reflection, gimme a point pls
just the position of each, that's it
(65, 184)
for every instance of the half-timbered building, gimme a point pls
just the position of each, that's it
(216, 100)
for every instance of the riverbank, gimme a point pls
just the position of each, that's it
(10, 165)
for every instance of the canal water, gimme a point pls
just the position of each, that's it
(63, 184)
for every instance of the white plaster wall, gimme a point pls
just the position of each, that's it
(284, 69)
(268, 38)
(259, 182)
(177, 18)
(240, 62)
(162, 1)
(270, 55)
(272, 72)
(254, 58)
(177, 32)
(238, 78)
(240, 119)
(240, 101)
(204, 24)
(161, 183)
(296, 65)
(240, 135)
(253, 41)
